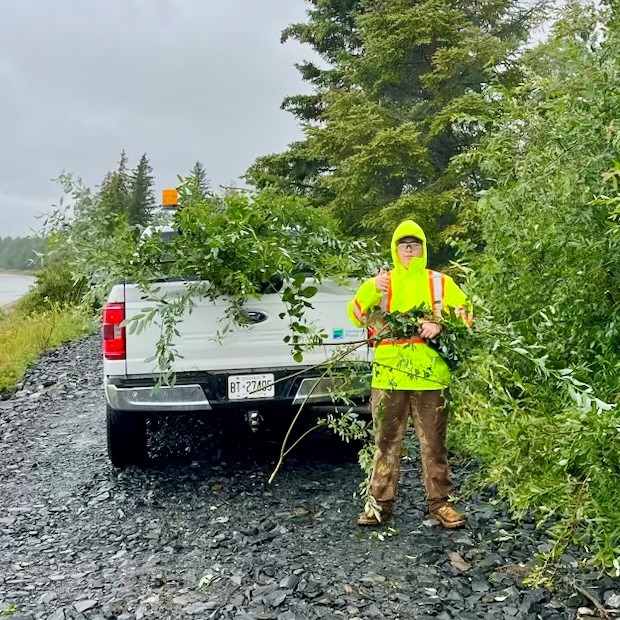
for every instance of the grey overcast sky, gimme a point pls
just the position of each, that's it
(181, 80)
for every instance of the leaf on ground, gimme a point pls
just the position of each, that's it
(218, 486)
(458, 562)
(348, 589)
(302, 511)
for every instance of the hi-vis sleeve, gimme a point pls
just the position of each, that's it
(367, 297)
(455, 298)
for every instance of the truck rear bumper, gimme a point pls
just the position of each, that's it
(177, 398)
(208, 391)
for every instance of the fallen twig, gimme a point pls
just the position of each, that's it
(602, 611)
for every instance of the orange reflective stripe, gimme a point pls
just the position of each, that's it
(414, 340)
(358, 312)
(436, 284)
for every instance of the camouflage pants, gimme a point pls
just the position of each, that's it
(391, 410)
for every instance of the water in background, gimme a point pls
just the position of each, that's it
(13, 286)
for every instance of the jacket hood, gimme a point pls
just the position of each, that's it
(409, 228)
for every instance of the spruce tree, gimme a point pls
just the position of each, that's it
(114, 193)
(141, 197)
(199, 175)
(404, 92)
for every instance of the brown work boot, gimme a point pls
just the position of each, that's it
(448, 517)
(370, 519)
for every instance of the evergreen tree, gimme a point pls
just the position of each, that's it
(114, 194)
(403, 94)
(141, 197)
(199, 174)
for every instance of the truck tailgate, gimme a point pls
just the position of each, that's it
(204, 345)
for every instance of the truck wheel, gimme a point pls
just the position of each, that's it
(126, 437)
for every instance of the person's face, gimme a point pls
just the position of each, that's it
(407, 249)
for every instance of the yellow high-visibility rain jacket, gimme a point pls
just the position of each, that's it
(409, 364)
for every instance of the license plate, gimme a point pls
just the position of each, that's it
(242, 387)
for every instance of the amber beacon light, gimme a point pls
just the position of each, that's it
(170, 198)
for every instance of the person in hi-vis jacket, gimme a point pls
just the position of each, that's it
(409, 378)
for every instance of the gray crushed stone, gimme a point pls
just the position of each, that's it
(200, 534)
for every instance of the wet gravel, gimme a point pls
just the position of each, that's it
(200, 534)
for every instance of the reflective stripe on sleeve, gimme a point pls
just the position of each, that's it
(436, 283)
(358, 312)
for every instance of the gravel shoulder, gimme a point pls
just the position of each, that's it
(200, 534)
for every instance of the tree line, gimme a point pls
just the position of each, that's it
(125, 195)
(21, 253)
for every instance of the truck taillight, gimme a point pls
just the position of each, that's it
(113, 334)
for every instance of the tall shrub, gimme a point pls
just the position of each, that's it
(538, 406)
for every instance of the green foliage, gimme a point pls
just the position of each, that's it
(9, 610)
(23, 338)
(543, 264)
(90, 247)
(240, 247)
(141, 199)
(237, 247)
(352, 429)
(244, 241)
(55, 285)
(78, 268)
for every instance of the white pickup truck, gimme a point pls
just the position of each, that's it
(250, 370)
